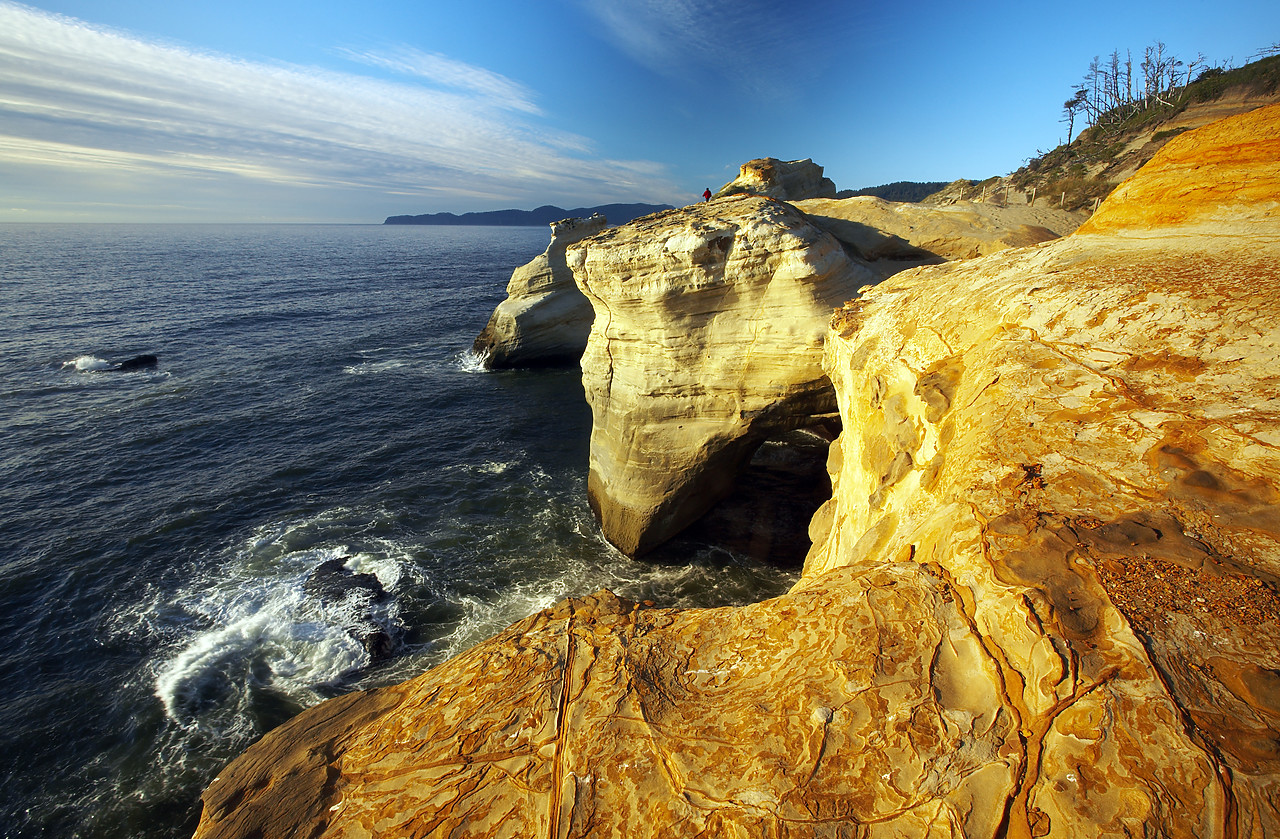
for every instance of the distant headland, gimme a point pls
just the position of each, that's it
(615, 213)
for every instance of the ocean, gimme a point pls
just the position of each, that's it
(314, 403)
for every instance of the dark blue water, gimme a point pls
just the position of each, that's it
(313, 401)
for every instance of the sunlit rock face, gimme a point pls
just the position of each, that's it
(1221, 179)
(1041, 601)
(545, 319)
(707, 339)
(892, 231)
(785, 180)
(1082, 442)
(600, 718)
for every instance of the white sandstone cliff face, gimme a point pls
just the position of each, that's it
(707, 338)
(545, 319)
(789, 180)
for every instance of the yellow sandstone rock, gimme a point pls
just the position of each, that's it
(897, 231)
(1041, 601)
(785, 180)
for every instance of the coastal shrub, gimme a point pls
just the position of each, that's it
(1101, 144)
(909, 191)
(1259, 78)
(1081, 193)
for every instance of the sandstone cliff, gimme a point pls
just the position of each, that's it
(1041, 601)
(789, 180)
(707, 340)
(1080, 444)
(896, 231)
(544, 319)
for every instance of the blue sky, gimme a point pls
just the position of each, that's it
(137, 110)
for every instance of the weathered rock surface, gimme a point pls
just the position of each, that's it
(1202, 181)
(1042, 600)
(1083, 441)
(707, 339)
(785, 180)
(545, 319)
(896, 231)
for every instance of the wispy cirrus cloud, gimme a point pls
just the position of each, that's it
(755, 44)
(442, 70)
(106, 109)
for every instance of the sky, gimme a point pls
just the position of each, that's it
(271, 111)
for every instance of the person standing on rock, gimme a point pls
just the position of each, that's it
(706, 195)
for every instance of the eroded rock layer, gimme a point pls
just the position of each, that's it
(544, 319)
(707, 339)
(785, 180)
(1041, 601)
(891, 230)
(1083, 440)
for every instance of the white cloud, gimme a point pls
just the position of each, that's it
(758, 45)
(442, 70)
(78, 98)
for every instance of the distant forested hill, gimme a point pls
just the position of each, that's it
(909, 191)
(615, 213)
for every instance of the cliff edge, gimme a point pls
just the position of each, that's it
(544, 320)
(1041, 602)
(783, 180)
(706, 341)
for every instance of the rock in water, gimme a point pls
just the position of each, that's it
(545, 319)
(790, 180)
(1041, 601)
(138, 362)
(333, 583)
(707, 339)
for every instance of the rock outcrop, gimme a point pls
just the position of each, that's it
(544, 320)
(1202, 182)
(896, 231)
(707, 340)
(1041, 602)
(1081, 443)
(785, 180)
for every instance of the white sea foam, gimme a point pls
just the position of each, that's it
(88, 363)
(369, 367)
(262, 630)
(472, 361)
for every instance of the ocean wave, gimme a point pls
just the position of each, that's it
(367, 367)
(471, 361)
(88, 364)
(266, 626)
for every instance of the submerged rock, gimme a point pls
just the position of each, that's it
(334, 584)
(707, 340)
(1042, 600)
(545, 319)
(138, 362)
(789, 180)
